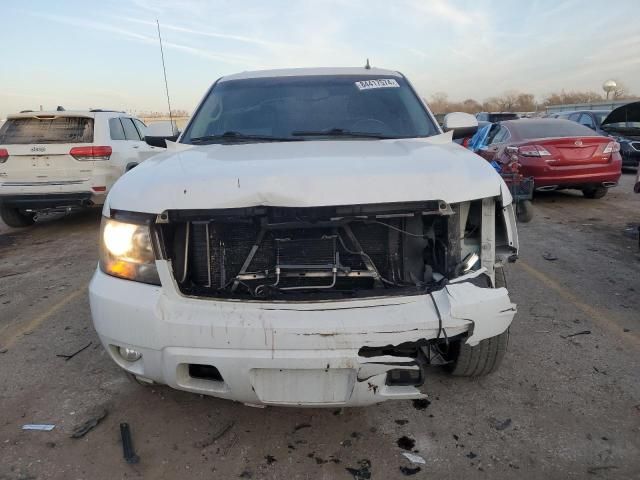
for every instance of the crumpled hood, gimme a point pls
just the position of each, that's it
(307, 174)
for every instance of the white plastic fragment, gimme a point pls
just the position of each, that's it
(38, 426)
(413, 458)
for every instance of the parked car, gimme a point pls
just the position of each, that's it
(495, 116)
(65, 159)
(589, 118)
(520, 186)
(313, 239)
(558, 154)
(623, 124)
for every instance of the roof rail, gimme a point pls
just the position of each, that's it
(94, 110)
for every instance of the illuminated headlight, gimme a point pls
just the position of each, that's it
(126, 251)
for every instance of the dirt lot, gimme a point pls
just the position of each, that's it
(560, 407)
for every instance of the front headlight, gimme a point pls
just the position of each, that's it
(126, 251)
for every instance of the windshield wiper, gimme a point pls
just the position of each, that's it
(338, 132)
(233, 136)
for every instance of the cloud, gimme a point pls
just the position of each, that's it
(226, 36)
(445, 11)
(147, 39)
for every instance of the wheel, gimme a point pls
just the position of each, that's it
(14, 217)
(597, 192)
(524, 211)
(485, 357)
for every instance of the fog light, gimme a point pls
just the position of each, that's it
(129, 354)
(401, 377)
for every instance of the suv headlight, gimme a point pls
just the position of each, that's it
(126, 251)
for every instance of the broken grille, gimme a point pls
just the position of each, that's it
(265, 252)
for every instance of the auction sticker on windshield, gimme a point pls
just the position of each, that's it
(380, 83)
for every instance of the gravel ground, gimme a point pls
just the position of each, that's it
(560, 407)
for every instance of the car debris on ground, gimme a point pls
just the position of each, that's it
(96, 417)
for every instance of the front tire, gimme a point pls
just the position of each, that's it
(485, 357)
(16, 218)
(595, 193)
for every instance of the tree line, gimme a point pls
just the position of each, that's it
(515, 101)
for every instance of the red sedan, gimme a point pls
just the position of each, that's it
(558, 154)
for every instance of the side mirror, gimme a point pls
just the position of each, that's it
(160, 141)
(462, 124)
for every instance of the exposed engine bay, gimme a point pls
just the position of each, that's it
(325, 252)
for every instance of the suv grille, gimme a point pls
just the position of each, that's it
(266, 251)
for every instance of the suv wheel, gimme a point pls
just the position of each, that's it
(14, 217)
(597, 192)
(485, 357)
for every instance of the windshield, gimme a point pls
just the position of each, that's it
(46, 130)
(310, 107)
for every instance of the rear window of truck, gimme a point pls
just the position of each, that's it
(21, 131)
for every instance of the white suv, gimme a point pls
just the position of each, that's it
(313, 239)
(63, 159)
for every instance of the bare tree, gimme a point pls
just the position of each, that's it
(621, 91)
(563, 97)
(439, 103)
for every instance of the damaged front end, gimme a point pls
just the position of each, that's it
(326, 253)
(376, 292)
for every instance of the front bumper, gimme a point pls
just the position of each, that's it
(282, 353)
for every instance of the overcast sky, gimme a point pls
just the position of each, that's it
(105, 54)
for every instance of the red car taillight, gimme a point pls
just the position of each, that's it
(91, 153)
(612, 147)
(3, 155)
(533, 151)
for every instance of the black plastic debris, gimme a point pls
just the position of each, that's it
(363, 472)
(402, 421)
(270, 459)
(406, 443)
(301, 426)
(421, 403)
(408, 471)
(71, 355)
(549, 257)
(471, 455)
(583, 332)
(127, 444)
(214, 436)
(93, 421)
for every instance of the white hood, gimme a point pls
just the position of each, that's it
(307, 174)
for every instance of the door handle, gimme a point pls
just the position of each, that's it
(136, 146)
